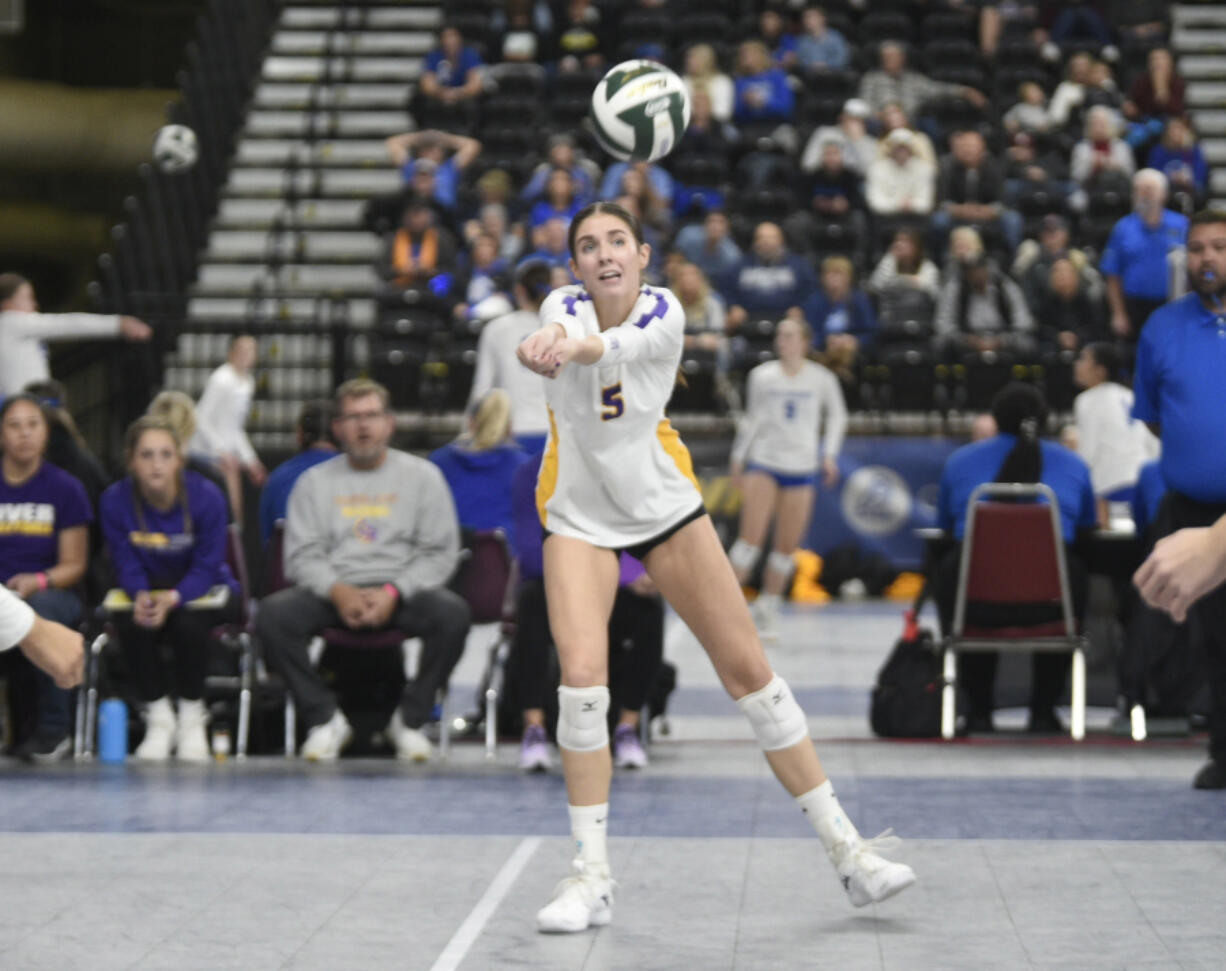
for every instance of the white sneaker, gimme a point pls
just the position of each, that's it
(191, 742)
(582, 900)
(867, 877)
(160, 724)
(411, 744)
(765, 612)
(324, 742)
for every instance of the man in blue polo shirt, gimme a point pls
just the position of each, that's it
(316, 444)
(1135, 259)
(1180, 390)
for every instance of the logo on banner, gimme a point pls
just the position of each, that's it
(876, 500)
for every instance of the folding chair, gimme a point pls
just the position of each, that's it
(1013, 555)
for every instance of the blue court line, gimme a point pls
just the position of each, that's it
(369, 798)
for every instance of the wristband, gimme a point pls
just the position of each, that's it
(43, 582)
(393, 590)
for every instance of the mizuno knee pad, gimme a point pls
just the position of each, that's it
(583, 718)
(774, 715)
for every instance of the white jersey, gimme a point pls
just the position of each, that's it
(16, 619)
(23, 357)
(1113, 443)
(615, 473)
(498, 367)
(221, 415)
(784, 414)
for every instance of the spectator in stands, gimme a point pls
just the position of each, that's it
(705, 136)
(483, 281)
(834, 197)
(1155, 96)
(581, 41)
(419, 250)
(819, 47)
(478, 466)
(905, 267)
(636, 639)
(24, 332)
(1139, 21)
(44, 551)
(764, 103)
(970, 190)
(66, 446)
(1103, 90)
(1113, 443)
(316, 443)
(1015, 454)
(1036, 165)
(657, 177)
(1101, 160)
(769, 281)
(559, 200)
(1035, 257)
(1015, 18)
(894, 82)
(1181, 160)
(900, 183)
(702, 74)
(653, 273)
(651, 208)
(561, 153)
(375, 561)
(1029, 114)
(1070, 93)
(840, 315)
(709, 246)
(179, 410)
(550, 245)
(704, 312)
(492, 221)
(965, 247)
(447, 153)
(1078, 25)
(1135, 262)
(981, 309)
(523, 29)
(774, 32)
(450, 81)
(892, 118)
(859, 147)
(1069, 309)
(497, 366)
(221, 417)
(166, 529)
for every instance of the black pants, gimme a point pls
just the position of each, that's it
(289, 619)
(636, 648)
(977, 671)
(1208, 615)
(186, 635)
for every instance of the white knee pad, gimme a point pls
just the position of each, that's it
(744, 556)
(774, 715)
(780, 563)
(583, 718)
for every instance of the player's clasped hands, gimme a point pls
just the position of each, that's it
(546, 350)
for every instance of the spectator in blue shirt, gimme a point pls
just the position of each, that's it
(841, 315)
(819, 48)
(448, 156)
(560, 200)
(550, 245)
(1134, 262)
(658, 178)
(560, 153)
(1180, 159)
(763, 97)
(1015, 454)
(769, 282)
(316, 444)
(451, 75)
(709, 245)
(1179, 390)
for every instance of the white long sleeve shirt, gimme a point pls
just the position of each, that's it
(891, 188)
(16, 619)
(784, 415)
(221, 415)
(1113, 443)
(498, 367)
(23, 352)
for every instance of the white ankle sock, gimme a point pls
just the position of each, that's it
(822, 807)
(590, 825)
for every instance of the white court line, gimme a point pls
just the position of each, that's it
(470, 930)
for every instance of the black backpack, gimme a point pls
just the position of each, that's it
(906, 700)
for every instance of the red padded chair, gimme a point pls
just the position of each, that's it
(1013, 555)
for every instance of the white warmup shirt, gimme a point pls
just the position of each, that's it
(498, 367)
(1113, 443)
(221, 415)
(615, 473)
(16, 619)
(783, 416)
(23, 357)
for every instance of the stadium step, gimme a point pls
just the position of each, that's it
(338, 183)
(1208, 94)
(219, 279)
(1196, 66)
(280, 151)
(1217, 182)
(1207, 40)
(343, 69)
(272, 95)
(260, 313)
(356, 43)
(1198, 15)
(308, 214)
(311, 246)
(327, 124)
(391, 18)
(1215, 150)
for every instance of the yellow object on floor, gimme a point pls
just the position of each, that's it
(805, 588)
(906, 586)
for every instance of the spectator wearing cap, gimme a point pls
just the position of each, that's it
(894, 82)
(769, 282)
(970, 190)
(447, 156)
(561, 153)
(709, 245)
(899, 182)
(1033, 262)
(451, 74)
(1135, 261)
(859, 147)
(316, 444)
(893, 118)
(981, 309)
(819, 47)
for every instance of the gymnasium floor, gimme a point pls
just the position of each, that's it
(1030, 853)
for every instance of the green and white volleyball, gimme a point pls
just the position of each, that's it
(175, 148)
(640, 110)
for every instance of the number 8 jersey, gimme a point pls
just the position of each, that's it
(615, 472)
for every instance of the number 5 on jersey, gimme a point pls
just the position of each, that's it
(612, 402)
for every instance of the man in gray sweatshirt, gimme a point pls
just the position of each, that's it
(371, 539)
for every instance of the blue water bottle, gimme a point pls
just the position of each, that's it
(112, 730)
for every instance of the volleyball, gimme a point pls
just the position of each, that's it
(175, 148)
(640, 110)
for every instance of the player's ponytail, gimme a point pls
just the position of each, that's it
(1020, 409)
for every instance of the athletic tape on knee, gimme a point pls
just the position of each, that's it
(780, 563)
(583, 718)
(774, 715)
(744, 556)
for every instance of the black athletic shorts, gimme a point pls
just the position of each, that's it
(640, 550)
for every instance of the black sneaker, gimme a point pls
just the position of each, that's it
(1211, 776)
(45, 749)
